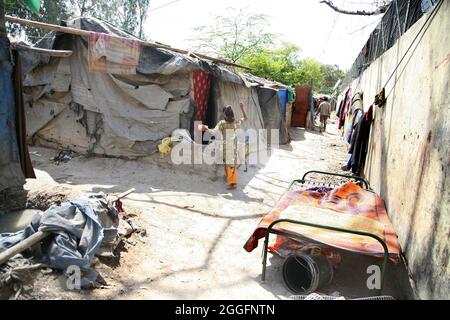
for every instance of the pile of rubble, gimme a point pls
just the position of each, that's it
(67, 238)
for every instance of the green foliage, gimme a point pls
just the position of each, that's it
(284, 65)
(331, 74)
(142, 14)
(242, 37)
(52, 11)
(129, 15)
(235, 35)
(309, 72)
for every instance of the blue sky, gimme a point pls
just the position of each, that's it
(320, 32)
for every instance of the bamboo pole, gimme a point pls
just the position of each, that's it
(45, 52)
(79, 32)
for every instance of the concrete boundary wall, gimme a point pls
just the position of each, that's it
(409, 159)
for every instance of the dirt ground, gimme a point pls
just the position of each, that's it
(196, 228)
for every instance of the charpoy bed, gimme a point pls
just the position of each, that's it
(348, 217)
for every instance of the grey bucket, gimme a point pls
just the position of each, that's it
(304, 274)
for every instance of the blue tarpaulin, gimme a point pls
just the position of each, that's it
(10, 170)
(77, 234)
(283, 96)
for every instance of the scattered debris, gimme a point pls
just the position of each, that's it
(13, 199)
(63, 156)
(165, 147)
(93, 216)
(42, 200)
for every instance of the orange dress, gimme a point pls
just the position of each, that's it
(230, 141)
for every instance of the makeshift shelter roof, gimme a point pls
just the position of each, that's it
(152, 60)
(255, 80)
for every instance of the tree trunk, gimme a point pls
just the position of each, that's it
(2, 19)
(83, 8)
(141, 22)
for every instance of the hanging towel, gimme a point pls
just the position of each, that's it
(113, 54)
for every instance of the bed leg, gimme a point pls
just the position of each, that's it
(383, 272)
(264, 262)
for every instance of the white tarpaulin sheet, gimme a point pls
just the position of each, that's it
(126, 116)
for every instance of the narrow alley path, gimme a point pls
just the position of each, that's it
(196, 227)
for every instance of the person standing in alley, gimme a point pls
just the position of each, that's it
(228, 130)
(325, 111)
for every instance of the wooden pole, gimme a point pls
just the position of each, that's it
(123, 194)
(79, 32)
(22, 246)
(2, 19)
(45, 52)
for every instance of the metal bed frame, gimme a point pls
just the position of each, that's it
(270, 229)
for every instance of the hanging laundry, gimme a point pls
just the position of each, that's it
(353, 121)
(360, 142)
(339, 110)
(202, 84)
(353, 115)
(345, 108)
(113, 54)
(21, 130)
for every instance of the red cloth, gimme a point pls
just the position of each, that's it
(346, 107)
(369, 114)
(202, 85)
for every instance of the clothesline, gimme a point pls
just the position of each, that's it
(79, 32)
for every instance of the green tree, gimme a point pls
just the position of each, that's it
(284, 65)
(129, 15)
(52, 11)
(309, 71)
(234, 35)
(142, 14)
(332, 74)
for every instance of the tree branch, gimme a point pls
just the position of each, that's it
(380, 10)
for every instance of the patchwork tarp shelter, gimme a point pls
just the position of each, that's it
(114, 112)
